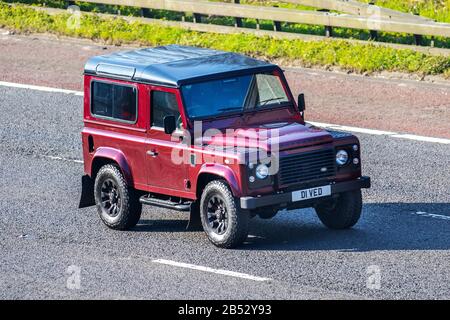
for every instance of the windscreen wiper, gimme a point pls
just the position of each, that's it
(264, 102)
(230, 109)
(219, 115)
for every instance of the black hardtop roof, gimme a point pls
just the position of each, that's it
(173, 65)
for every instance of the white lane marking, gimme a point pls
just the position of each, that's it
(251, 236)
(319, 124)
(380, 132)
(63, 159)
(211, 270)
(39, 88)
(431, 215)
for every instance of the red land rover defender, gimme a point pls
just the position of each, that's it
(216, 134)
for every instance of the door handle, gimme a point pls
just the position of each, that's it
(152, 153)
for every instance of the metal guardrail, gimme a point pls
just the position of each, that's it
(377, 20)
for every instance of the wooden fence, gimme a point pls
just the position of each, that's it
(353, 15)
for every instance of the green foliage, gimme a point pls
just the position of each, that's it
(341, 53)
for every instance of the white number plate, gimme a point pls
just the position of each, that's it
(312, 193)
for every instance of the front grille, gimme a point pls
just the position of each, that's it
(309, 166)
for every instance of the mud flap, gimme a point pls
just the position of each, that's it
(87, 192)
(194, 224)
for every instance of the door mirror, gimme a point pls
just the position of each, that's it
(169, 124)
(301, 102)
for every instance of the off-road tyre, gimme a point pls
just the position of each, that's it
(342, 212)
(128, 211)
(217, 196)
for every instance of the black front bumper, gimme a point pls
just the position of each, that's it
(284, 199)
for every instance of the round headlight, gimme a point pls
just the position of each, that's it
(341, 157)
(262, 171)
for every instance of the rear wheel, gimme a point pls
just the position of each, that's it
(225, 225)
(116, 202)
(342, 212)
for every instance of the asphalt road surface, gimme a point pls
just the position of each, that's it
(51, 249)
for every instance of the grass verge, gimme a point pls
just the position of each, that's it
(349, 56)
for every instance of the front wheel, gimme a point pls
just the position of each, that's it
(225, 225)
(342, 212)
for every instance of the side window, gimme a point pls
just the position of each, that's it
(164, 104)
(113, 101)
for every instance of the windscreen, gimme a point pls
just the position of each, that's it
(233, 95)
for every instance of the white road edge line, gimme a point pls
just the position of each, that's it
(318, 124)
(62, 159)
(422, 138)
(431, 215)
(380, 132)
(210, 270)
(39, 88)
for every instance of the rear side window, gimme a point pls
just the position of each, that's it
(164, 104)
(113, 101)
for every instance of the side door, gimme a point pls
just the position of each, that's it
(165, 174)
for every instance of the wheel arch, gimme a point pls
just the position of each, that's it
(104, 156)
(217, 172)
